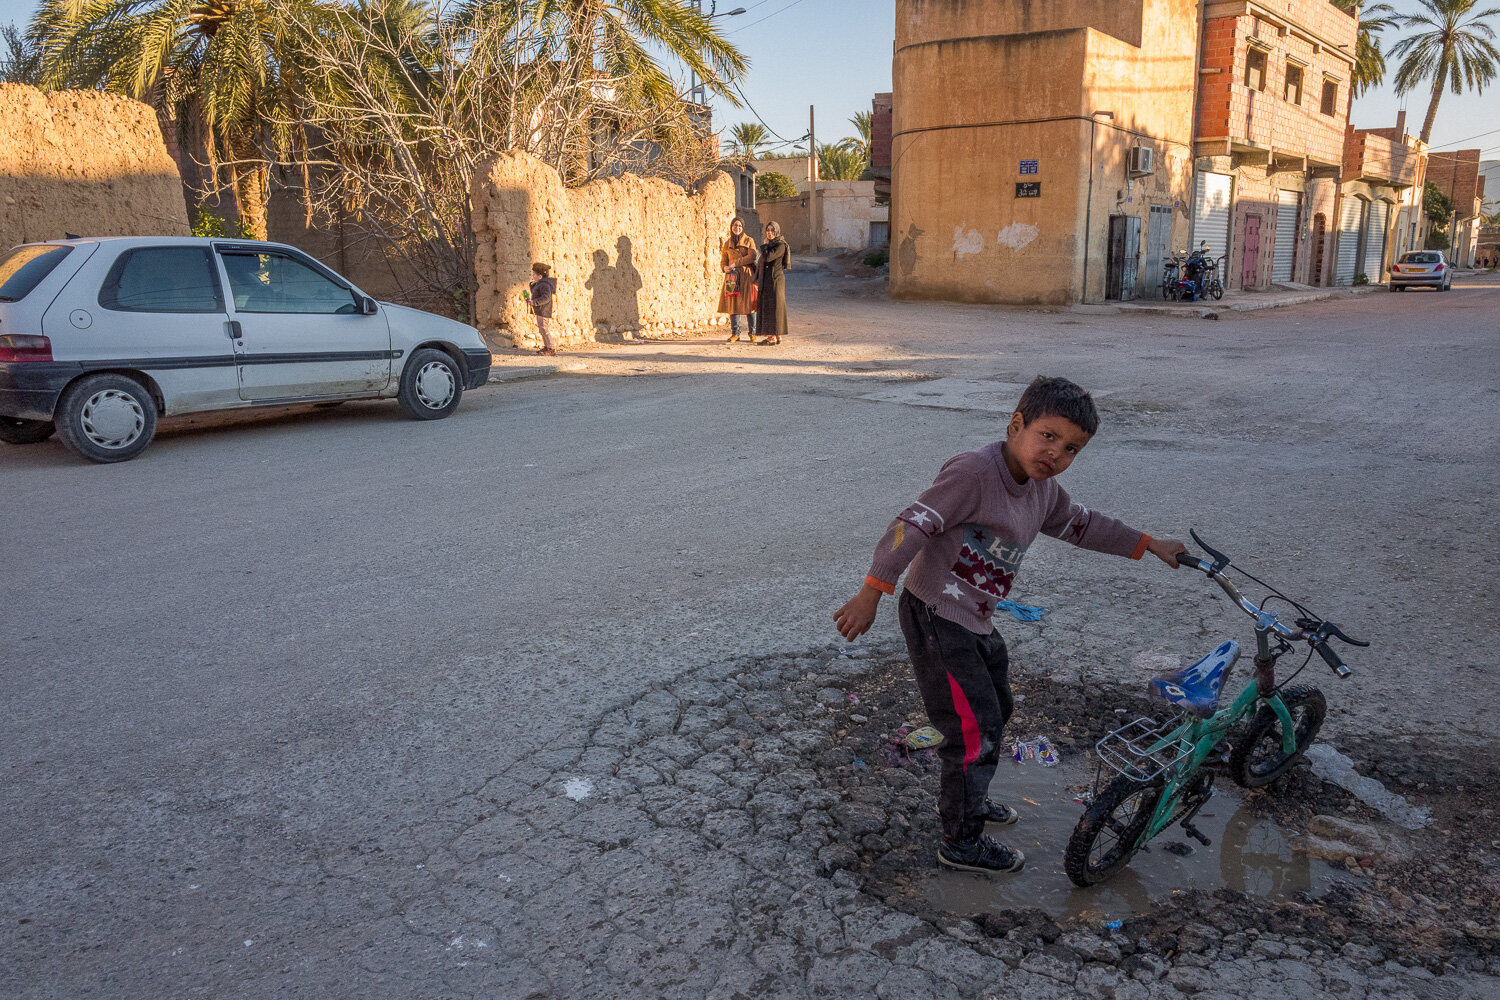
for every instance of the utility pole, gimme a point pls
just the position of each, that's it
(815, 210)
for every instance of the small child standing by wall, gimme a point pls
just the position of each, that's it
(540, 292)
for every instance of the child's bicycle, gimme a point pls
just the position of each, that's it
(1166, 771)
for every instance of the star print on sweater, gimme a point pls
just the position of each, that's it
(973, 527)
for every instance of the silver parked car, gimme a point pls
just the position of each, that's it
(1421, 269)
(99, 337)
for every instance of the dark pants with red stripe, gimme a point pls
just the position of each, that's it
(965, 687)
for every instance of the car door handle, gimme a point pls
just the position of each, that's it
(236, 332)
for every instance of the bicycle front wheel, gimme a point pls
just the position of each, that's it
(1105, 838)
(1258, 759)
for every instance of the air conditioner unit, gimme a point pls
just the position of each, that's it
(1142, 160)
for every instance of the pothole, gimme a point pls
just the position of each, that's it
(1251, 853)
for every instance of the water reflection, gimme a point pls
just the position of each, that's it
(1250, 854)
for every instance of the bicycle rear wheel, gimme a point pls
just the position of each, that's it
(1105, 838)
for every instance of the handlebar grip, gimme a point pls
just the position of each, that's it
(1183, 559)
(1331, 658)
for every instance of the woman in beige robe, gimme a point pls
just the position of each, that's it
(737, 298)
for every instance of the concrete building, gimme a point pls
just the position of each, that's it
(1041, 153)
(880, 147)
(846, 213)
(1273, 100)
(1380, 201)
(1456, 173)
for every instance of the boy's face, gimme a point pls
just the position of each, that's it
(1044, 447)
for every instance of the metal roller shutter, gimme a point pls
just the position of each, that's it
(1348, 261)
(1374, 266)
(1286, 235)
(1211, 212)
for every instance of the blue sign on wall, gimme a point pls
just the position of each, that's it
(1031, 166)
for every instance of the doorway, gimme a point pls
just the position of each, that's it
(1250, 272)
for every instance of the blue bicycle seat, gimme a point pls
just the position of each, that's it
(1196, 688)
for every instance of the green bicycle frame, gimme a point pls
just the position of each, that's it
(1204, 735)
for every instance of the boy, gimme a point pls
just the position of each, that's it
(964, 539)
(540, 293)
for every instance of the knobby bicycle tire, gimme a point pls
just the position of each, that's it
(1252, 770)
(1092, 824)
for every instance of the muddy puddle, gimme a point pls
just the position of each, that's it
(1249, 854)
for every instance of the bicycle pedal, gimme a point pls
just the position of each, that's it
(1197, 834)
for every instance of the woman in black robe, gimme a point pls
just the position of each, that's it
(775, 257)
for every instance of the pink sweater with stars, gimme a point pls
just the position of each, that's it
(964, 538)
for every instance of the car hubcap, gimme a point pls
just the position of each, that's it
(113, 419)
(435, 385)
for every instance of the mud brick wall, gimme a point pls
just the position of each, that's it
(629, 253)
(84, 162)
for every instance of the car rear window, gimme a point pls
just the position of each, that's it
(23, 269)
(1420, 258)
(163, 280)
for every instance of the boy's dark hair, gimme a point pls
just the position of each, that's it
(1057, 397)
(541, 268)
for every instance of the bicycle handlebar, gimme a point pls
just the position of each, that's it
(1314, 632)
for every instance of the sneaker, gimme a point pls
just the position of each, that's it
(983, 855)
(994, 812)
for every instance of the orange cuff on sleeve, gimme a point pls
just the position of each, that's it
(888, 588)
(1140, 546)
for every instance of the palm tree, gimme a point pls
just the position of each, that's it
(838, 162)
(227, 67)
(862, 123)
(23, 60)
(747, 139)
(1369, 60)
(1456, 50)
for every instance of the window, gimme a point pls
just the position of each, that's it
(1255, 69)
(1293, 89)
(1421, 257)
(23, 269)
(1330, 97)
(276, 283)
(162, 280)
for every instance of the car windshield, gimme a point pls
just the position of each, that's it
(23, 269)
(1421, 258)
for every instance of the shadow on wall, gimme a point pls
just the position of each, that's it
(614, 304)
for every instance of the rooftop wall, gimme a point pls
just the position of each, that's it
(84, 162)
(919, 21)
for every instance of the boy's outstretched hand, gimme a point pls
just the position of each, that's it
(855, 618)
(1166, 550)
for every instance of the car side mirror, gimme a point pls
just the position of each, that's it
(367, 306)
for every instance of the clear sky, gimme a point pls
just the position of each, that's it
(834, 54)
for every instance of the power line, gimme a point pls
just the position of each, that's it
(1481, 135)
(766, 18)
(768, 128)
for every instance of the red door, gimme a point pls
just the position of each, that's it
(1250, 276)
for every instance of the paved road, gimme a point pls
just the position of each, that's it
(267, 647)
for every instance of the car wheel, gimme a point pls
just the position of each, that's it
(106, 418)
(431, 385)
(15, 430)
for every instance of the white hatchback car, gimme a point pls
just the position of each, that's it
(98, 337)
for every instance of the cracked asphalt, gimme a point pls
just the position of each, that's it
(529, 702)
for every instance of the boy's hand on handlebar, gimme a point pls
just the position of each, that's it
(1166, 550)
(855, 617)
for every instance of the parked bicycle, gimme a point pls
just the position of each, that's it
(1166, 770)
